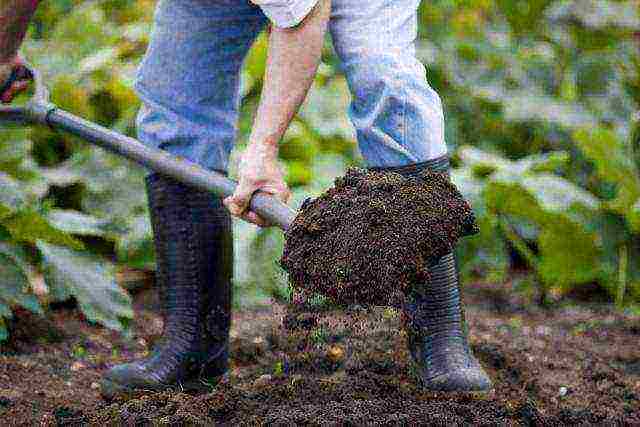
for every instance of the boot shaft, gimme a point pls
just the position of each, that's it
(434, 318)
(194, 253)
(194, 257)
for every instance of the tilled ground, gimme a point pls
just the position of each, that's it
(570, 366)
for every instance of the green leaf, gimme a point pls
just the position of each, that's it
(568, 254)
(4, 333)
(135, 247)
(607, 151)
(299, 143)
(115, 186)
(62, 175)
(482, 162)
(5, 311)
(256, 59)
(510, 198)
(597, 14)
(324, 110)
(14, 156)
(470, 186)
(551, 195)
(634, 217)
(74, 222)
(16, 253)
(102, 58)
(11, 195)
(264, 251)
(91, 281)
(86, 30)
(529, 107)
(556, 194)
(298, 173)
(14, 285)
(547, 162)
(613, 163)
(485, 253)
(30, 226)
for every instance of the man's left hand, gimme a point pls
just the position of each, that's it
(6, 69)
(258, 171)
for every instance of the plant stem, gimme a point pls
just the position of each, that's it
(521, 246)
(518, 242)
(623, 259)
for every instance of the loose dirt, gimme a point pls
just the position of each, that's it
(569, 366)
(373, 235)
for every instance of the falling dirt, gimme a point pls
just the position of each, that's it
(570, 366)
(373, 235)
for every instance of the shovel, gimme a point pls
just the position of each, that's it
(39, 110)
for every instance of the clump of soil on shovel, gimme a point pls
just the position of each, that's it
(373, 235)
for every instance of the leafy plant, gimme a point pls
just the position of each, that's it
(555, 77)
(31, 241)
(520, 203)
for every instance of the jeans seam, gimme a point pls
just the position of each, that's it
(405, 95)
(405, 130)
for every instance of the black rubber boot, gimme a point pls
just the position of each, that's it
(194, 256)
(436, 330)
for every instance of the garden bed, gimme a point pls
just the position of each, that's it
(569, 365)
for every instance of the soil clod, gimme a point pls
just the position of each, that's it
(373, 235)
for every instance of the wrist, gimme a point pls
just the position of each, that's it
(263, 149)
(5, 71)
(265, 144)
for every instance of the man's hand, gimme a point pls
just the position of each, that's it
(292, 62)
(259, 170)
(14, 19)
(6, 69)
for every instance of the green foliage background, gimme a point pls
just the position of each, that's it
(541, 104)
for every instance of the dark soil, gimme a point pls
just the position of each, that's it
(373, 235)
(569, 366)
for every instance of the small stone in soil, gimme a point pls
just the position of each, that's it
(335, 354)
(262, 380)
(77, 366)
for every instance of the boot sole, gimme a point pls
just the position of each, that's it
(428, 386)
(474, 394)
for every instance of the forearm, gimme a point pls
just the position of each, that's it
(14, 19)
(292, 63)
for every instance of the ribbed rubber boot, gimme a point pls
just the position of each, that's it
(436, 328)
(194, 256)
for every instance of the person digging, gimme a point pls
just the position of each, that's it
(189, 86)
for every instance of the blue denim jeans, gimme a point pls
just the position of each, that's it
(189, 79)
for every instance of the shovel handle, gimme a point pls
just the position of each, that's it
(39, 111)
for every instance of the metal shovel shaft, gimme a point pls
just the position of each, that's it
(268, 207)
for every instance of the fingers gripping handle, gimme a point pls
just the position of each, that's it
(272, 210)
(18, 73)
(38, 107)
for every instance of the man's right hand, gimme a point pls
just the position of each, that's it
(6, 69)
(258, 170)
